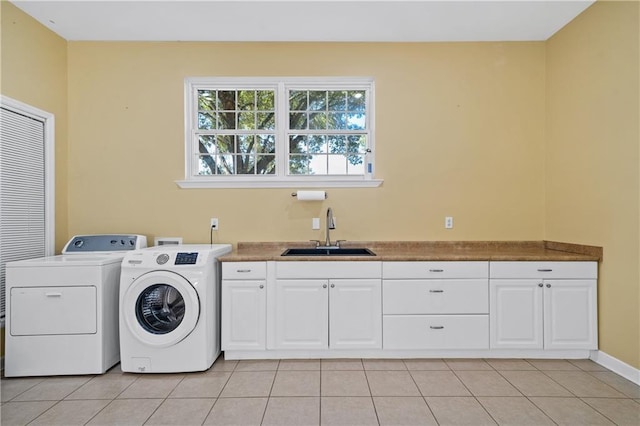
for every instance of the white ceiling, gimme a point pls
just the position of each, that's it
(304, 20)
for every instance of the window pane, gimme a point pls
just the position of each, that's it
(297, 100)
(336, 121)
(206, 165)
(227, 120)
(266, 165)
(318, 164)
(337, 164)
(266, 121)
(226, 100)
(224, 164)
(266, 144)
(317, 144)
(225, 144)
(317, 120)
(206, 120)
(356, 121)
(299, 164)
(337, 144)
(207, 100)
(357, 144)
(317, 100)
(297, 144)
(337, 100)
(246, 100)
(207, 144)
(355, 164)
(245, 164)
(356, 101)
(265, 100)
(246, 120)
(298, 120)
(245, 143)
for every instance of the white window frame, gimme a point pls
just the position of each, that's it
(281, 179)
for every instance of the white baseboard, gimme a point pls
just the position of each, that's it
(617, 366)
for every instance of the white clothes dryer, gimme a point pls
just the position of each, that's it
(62, 311)
(170, 308)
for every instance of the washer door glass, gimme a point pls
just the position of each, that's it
(160, 309)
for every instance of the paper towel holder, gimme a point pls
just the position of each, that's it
(295, 194)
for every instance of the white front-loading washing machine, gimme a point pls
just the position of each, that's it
(62, 311)
(170, 308)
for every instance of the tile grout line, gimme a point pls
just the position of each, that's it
(420, 392)
(266, 406)
(366, 377)
(598, 411)
(472, 394)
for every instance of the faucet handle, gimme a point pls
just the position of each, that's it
(317, 242)
(340, 241)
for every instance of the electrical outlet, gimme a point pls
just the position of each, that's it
(214, 223)
(315, 223)
(448, 222)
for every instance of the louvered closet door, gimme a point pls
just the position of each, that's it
(22, 190)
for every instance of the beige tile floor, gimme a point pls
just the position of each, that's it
(333, 392)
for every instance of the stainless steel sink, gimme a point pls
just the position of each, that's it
(325, 251)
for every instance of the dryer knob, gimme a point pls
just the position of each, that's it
(162, 259)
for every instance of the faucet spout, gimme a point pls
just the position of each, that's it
(331, 224)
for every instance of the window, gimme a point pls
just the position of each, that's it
(279, 132)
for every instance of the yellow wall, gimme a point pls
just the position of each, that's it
(593, 163)
(459, 132)
(34, 71)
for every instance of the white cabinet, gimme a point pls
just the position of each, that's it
(543, 305)
(244, 304)
(435, 305)
(319, 305)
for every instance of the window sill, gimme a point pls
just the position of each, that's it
(273, 183)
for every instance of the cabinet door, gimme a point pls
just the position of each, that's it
(355, 312)
(301, 314)
(243, 315)
(515, 313)
(570, 314)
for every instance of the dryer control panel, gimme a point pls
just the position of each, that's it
(186, 258)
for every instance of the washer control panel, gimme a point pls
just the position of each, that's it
(186, 258)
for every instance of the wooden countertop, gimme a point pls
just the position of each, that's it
(425, 250)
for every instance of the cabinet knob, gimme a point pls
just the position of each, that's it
(333, 285)
(548, 285)
(261, 286)
(540, 285)
(324, 286)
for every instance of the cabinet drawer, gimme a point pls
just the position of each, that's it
(435, 332)
(543, 269)
(244, 270)
(406, 270)
(328, 269)
(435, 296)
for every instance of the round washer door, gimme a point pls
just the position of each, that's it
(161, 308)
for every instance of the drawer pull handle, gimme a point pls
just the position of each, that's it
(52, 294)
(436, 327)
(436, 270)
(436, 291)
(545, 270)
(242, 271)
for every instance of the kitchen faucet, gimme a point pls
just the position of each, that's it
(331, 224)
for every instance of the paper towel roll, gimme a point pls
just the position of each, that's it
(311, 195)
